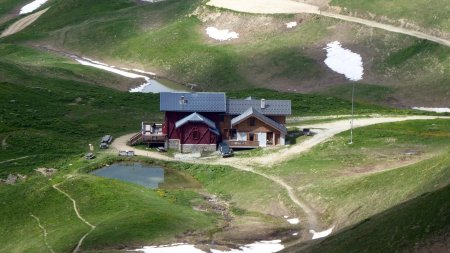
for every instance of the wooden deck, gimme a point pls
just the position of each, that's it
(242, 144)
(140, 138)
(154, 138)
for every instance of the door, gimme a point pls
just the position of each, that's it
(262, 137)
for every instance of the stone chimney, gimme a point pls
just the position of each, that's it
(263, 103)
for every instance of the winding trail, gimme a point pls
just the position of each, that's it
(324, 131)
(80, 242)
(292, 7)
(44, 231)
(15, 159)
(22, 23)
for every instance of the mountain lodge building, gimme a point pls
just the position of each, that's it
(199, 121)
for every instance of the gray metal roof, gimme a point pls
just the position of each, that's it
(252, 112)
(195, 117)
(193, 102)
(273, 107)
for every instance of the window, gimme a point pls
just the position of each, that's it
(251, 137)
(252, 122)
(233, 134)
(195, 134)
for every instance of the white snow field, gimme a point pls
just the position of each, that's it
(291, 24)
(430, 109)
(149, 86)
(325, 233)
(32, 6)
(221, 35)
(344, 61)
(257, 247)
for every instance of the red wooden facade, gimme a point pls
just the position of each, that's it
(191, 132)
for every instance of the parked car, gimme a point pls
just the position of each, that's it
(307, 132)
(106, 140)
(104, 145)
(225, 150)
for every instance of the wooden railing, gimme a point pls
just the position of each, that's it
(237, 144)
(154, 138)
(136, 139)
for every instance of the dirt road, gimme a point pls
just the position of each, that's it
(324, 132)
(22, 23)
(292, 7)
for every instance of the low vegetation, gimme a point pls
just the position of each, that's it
(419, 224)
(124, 214)
(422, 13)
(399, 69)
(387, 164)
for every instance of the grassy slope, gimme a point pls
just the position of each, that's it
(7, 6)
(47, 99)
(44, 103)
(334, 176)
(399, 229)
(124, 214)
(399, 69)
(428, 14)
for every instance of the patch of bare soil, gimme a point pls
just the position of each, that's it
(396, 162)
(249, 27)
(436, 244)
(22, 23)
(248, 229)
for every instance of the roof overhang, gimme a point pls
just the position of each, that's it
(251, 112)
(195, 117)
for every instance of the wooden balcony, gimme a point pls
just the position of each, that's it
(242, 144)
(154, 138)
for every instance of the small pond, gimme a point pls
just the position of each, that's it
(150, 176)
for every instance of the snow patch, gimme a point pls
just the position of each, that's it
(317, 235)
(294, 234)
(103, 66)
(430, 109)
(221, 35)
(175, 248)
(32, 6)
(257, 247)
(149, 86)
(293, 221)
(291, 25)
(344, 61)
(144, 72)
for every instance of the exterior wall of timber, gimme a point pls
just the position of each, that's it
(185, 132)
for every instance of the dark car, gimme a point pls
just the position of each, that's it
(225, 150)
(106, 140)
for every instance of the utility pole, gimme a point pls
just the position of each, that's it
(353, 113)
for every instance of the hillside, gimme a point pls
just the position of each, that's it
(418, 225)
(398, 69)
(430, 16)
(388, 191)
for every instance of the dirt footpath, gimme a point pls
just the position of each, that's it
(324, 131)
(22, 23)
(291, 7)
(265, 6)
